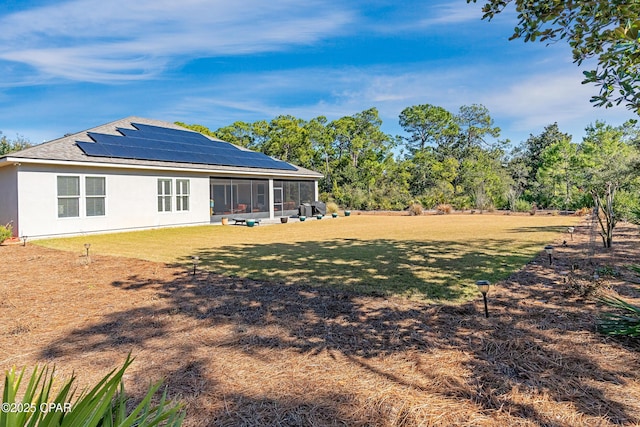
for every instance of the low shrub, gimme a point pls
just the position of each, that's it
(415, 209)
(444, 208)
(521, 205)
(607, 270)
(583, 212)
(5, 232)
(332, 208)
(461, 203)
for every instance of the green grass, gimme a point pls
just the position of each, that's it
(428, 257)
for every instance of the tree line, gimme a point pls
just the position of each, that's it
(448, 158)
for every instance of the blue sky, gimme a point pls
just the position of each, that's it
(66, 66)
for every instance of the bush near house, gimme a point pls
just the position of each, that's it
(332, 208)
(5, 232)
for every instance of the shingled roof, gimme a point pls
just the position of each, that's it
(65, 151)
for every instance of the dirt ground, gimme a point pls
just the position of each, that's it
(241, 352)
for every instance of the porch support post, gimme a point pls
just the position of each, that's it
(271, 199)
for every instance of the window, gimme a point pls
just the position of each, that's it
(182, 194)
(95, 192)
(68, 196)
(164, 195)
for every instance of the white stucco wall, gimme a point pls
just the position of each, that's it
(131, 201)
(9, 196)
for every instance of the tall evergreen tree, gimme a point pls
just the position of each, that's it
(427, 124)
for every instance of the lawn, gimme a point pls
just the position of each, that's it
(242, 352)
(434, 258)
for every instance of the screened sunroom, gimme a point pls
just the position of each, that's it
(258, 198)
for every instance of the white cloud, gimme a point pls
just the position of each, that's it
(454, 12)
(336, 92)
(96, 40)
(540, 99)
(416, 17)
(520, 104)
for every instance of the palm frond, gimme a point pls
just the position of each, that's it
(104, 405)
(616, 324)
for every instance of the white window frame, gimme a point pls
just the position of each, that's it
(68, 196)
(164, 198)
(102, 196)
(182, 195)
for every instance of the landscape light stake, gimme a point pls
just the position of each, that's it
(549, 250)
(195, 263)
(24, 240)
(483, 287)
(571, 230)
(87, 259)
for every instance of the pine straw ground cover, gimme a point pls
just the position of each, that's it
(246, 352)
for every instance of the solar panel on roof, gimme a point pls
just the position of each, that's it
(192, 138)
(175, 145)
(168, 132)
(93, 149)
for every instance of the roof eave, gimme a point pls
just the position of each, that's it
(261, 172)
(8, 161)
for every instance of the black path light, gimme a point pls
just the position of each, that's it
(549, 250)
(87, 260)
(24, 240)
(570, 230)
(483, 287)
(196, 259)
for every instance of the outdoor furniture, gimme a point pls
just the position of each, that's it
(305, 209)
(319, 208)
(242, 221)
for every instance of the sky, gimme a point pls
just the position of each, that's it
(67, 66)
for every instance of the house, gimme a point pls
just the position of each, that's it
(138, 173)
